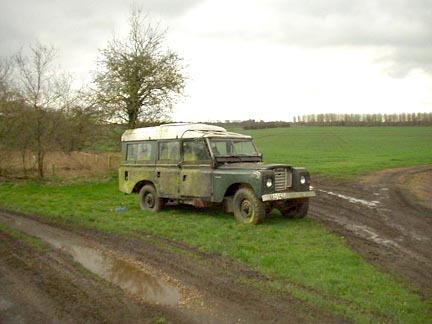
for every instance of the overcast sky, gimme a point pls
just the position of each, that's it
(262, 59)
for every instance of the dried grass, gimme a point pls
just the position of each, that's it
(61, 165)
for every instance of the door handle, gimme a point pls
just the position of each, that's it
(158, 174)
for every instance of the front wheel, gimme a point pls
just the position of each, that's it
(248, 208)
(149, 199)
(297, 208)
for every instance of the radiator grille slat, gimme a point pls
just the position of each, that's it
(283, 179)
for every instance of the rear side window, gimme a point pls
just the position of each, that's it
(144, 152)
(169, 151)
(140, 152)
(132, 150)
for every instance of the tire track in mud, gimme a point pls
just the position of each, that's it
(210, 286)
(380, 218)
(46, 287)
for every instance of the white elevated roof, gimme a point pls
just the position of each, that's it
(178, 130)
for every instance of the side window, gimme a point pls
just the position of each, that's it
(194, 151)
(144, 152)
(141, 152)
(169, 151)
(131, 152)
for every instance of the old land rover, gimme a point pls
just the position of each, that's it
(203, 165)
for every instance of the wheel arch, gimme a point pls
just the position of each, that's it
(228, 196)
(232, 189)
(140, 184)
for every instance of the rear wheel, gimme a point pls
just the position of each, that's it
(297, 208)
(149, 199)
(248, 208)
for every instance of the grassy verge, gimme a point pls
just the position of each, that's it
(303, 257)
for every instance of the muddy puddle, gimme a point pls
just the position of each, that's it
(131, 277)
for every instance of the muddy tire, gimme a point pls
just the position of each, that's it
(268, 209)
(248, 208)
(149, 199)
(295, 209)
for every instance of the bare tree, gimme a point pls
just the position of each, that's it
(82, 120)
(43, 89)
(137, 80)
(4, 96)
(5, 71)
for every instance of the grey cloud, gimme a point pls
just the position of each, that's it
(403, 27)
(169, 7)
(381, 23)
(72, 23)
(404, 60)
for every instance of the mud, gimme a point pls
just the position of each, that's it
(132, 277)
(202, 288)
(47, 287)
(387, 218)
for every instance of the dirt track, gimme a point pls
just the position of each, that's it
(51, 287)
(386, 218)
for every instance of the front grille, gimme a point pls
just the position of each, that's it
(283, 179)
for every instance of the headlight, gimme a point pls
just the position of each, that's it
(302, 180)
(269, 182)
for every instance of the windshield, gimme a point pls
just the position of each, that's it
(233, 147)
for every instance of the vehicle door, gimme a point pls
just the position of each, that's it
(196, 171)
(168, 168)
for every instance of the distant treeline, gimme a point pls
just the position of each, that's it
(252, 124)
(405, 119)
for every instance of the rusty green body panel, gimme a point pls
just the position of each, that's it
(175, 182)
(226, 178)
(196, 181)
(166, 181)
(130, 176)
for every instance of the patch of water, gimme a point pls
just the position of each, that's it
(367, 233)
(129, 276)
(353, 200)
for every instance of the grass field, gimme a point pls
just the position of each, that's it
(301, 256)
(345, 151)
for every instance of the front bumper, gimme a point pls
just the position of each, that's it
(287, 195)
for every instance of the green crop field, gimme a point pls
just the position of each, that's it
(303, 258)
(345, 151)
